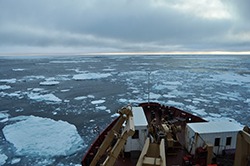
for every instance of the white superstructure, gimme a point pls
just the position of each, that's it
(136, 142)
(221, 135)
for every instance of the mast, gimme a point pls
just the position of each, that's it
(149, 86)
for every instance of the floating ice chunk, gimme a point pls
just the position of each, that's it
(4, 117)
(169, 96)
(115, 115)
(80, 98)
(215, 115)
(200, 111)
(108, 111)
(160, 87)
(37, 89)
(10, 81)
(154, 96)
(91, 96)
(174, 103)
(97, 101)
(135, 91)
(18, 69)
(65, 90)
(49, 83)
(46, 97)
(31, 78)
(101, 108)
(15, 160)
(43, 137)
(3, 159)
(66, 61)
(4, 87)
(90, 76)
(123, 100)
(232, 78)
(91, 120)
(247, 101)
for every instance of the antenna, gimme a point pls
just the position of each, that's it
(149, 86)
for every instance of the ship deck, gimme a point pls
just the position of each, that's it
(174, 156)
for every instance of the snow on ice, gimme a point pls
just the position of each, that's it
(97, 101)
(80, 98)
(36, 136)
(4, 87)
(49, 83)
(10, 81)
(46, 97)
(3, 159)
(18, 69)
(4, 116)
(90, 76)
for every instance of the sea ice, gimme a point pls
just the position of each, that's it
(115, 115)
(97, 101)
(4, 87)
(101, 108)
(4, 117)
(80, 98)
(122, 100)
(10, 81)
(47, 97)
(3, 159)
(65, 90)
(154, 96)
(15, 160)
(49, 83)
(174, 103)
(91, 96)
(108, 111)
(18, 69)
(36, 136)
(232, 78)
(90, 76)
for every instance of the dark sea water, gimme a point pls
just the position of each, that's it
(86, 91)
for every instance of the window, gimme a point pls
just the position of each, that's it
(217, 142)
(136, 134)
(228, 141)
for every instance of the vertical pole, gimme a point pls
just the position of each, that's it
(148, 87)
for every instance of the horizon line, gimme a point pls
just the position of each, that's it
(127, 53)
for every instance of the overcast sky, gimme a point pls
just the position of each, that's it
(124, 25)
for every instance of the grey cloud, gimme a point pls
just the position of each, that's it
(126, 25)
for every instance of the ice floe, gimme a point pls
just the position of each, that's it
(108, 111)
(15, 160)
(10, 81)
(36, 136)
(90, 76)
(101, 108)
(115, 115)
(18, 69)
(32, 77)
(91, 96)
(4, 87)
(49, 83)
(80, 98)
(65, 90)
(4, 116)
(44, 97)
(231, 78)
(174, 103)
(17, 94)
(97, 101)
(154, 96)
(3, 159)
